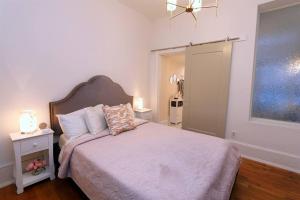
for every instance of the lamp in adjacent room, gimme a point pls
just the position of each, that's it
(28, 121)
(139, 103)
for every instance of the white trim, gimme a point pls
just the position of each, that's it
(263, 8)
(7, 183)
(6, 165)
(266, 149)
(3, 169)
(278, 123)
(272, 157)
(253, 75)
(155, 80)
(272, 164)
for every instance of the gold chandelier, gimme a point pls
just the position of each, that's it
(192, 7)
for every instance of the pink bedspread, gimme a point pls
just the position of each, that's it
(152, 162)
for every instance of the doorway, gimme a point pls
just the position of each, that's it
(171, 88)
(201, 106)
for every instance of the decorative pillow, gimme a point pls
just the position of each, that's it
(137, 121)
(73, 124)
(94, 118)
(130, 110)
(118, 119)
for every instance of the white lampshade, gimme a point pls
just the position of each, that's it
(139, 103)
(171, 5)
(197, 5)
(28, 121)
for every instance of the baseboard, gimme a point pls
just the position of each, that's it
(165, 122)
(275, 158)
(6, 175)
(6, 183)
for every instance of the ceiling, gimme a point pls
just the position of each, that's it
(154, 9)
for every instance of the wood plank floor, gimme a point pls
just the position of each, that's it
(255, 181)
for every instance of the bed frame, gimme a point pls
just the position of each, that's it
(98, 90)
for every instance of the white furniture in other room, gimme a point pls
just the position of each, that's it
(176, 108)
(144, 113)
(25, 144)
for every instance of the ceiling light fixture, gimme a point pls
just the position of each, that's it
(192, 7)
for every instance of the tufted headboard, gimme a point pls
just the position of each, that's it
(98, 90)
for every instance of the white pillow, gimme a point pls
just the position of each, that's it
(95, 120)
(73, 124)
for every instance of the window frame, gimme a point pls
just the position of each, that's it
(257, 120)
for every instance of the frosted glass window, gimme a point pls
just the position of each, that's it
(276, 92)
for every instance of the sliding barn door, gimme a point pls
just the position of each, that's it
(207, 77)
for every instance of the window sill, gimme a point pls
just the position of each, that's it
(269, 122)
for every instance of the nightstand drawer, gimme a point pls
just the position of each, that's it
(34, 144)
(144, 115)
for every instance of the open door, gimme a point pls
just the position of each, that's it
(207, 77)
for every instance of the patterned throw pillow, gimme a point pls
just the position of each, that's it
(130, 110)
(119, 119)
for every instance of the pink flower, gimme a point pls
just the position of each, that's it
(30, 166)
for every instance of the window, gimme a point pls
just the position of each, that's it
(276, 91)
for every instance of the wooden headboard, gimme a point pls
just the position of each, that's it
(98, 90)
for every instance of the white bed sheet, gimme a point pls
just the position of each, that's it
(151, 162)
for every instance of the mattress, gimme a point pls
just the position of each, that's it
(153, 162)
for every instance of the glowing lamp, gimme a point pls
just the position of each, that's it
(171, 5)
(28, 121)
(197, 5)
(139, 102)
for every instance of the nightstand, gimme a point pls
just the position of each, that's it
(25, 144)
(144, 113)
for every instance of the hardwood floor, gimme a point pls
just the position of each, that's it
(255, 181)
(258, 181)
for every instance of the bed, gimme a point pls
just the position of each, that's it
(152, 161)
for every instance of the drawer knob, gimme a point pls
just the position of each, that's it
(35, 144)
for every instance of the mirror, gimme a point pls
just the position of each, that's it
(173, 79)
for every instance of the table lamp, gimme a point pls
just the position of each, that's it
(28, 121)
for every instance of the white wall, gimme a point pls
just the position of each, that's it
(268, 141)
(48, 47)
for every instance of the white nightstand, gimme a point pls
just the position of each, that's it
(144, 113)
(25, 144)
